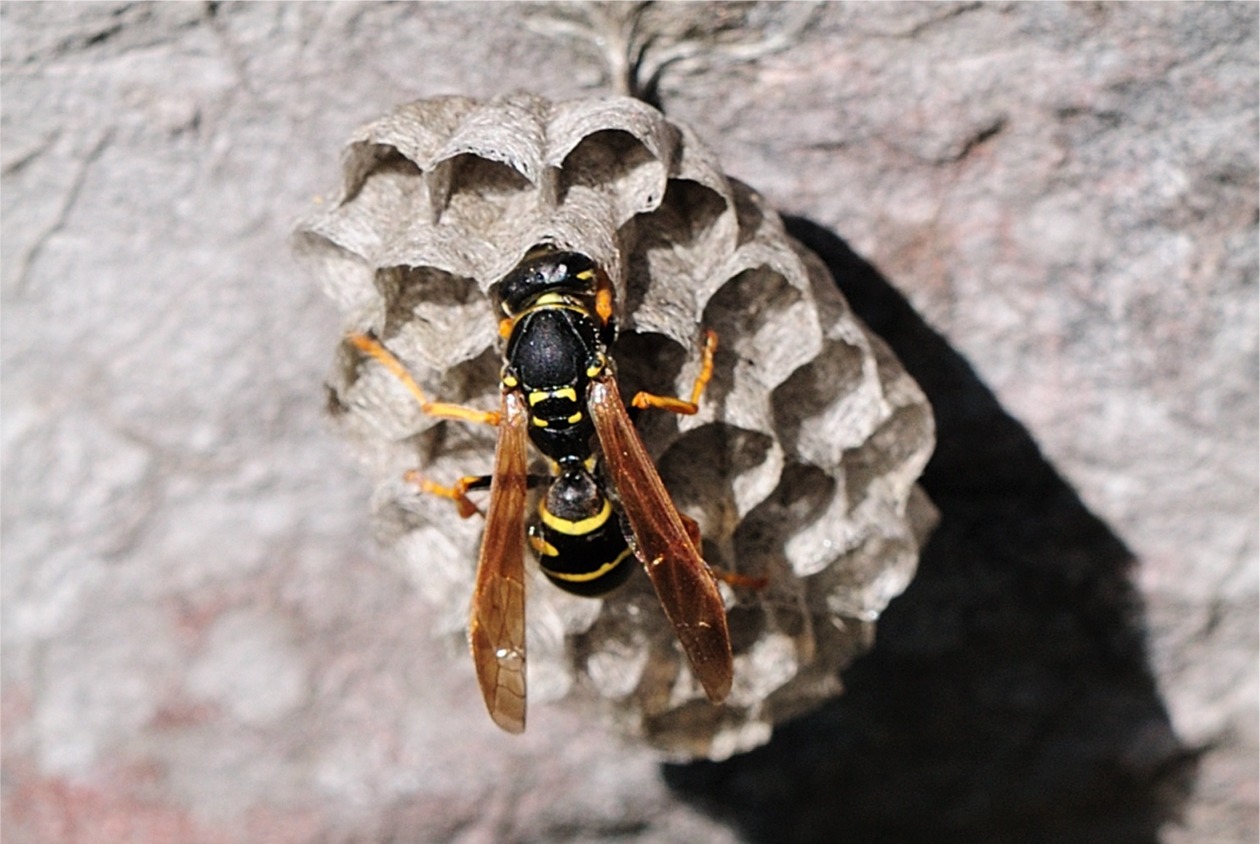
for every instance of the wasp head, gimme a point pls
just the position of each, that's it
(543, 271)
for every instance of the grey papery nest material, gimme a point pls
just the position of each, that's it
(800, 466)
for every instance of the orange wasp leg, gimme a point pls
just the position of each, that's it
(740, 581)
(372, 347)
(457, 492)
(645, 400)
(733, 579)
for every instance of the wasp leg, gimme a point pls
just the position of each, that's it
(740, 581)
(730, 578)
(642, 401)
(372, 347)
(458, 492)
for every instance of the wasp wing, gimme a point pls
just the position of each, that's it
(496, 626)
(681, 577)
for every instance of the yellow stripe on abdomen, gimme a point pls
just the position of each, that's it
(581, 527)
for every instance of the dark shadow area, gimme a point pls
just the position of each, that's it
(1009, 696)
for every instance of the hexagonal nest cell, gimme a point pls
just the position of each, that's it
(800, 466)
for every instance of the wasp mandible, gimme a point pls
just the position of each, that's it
(559, 391)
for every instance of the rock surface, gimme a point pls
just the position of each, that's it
(200, 644)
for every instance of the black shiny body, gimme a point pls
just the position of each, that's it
(556, 345)
(578, 537)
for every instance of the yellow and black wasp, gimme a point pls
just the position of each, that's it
(559, 390)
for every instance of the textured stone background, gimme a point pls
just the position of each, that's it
(199, 646)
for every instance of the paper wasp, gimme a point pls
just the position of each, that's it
(601, 506)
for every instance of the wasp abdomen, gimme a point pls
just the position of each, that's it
(578, 539)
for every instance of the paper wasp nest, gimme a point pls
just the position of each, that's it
(800, 466)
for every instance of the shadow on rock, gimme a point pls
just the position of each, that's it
(1009, 695)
